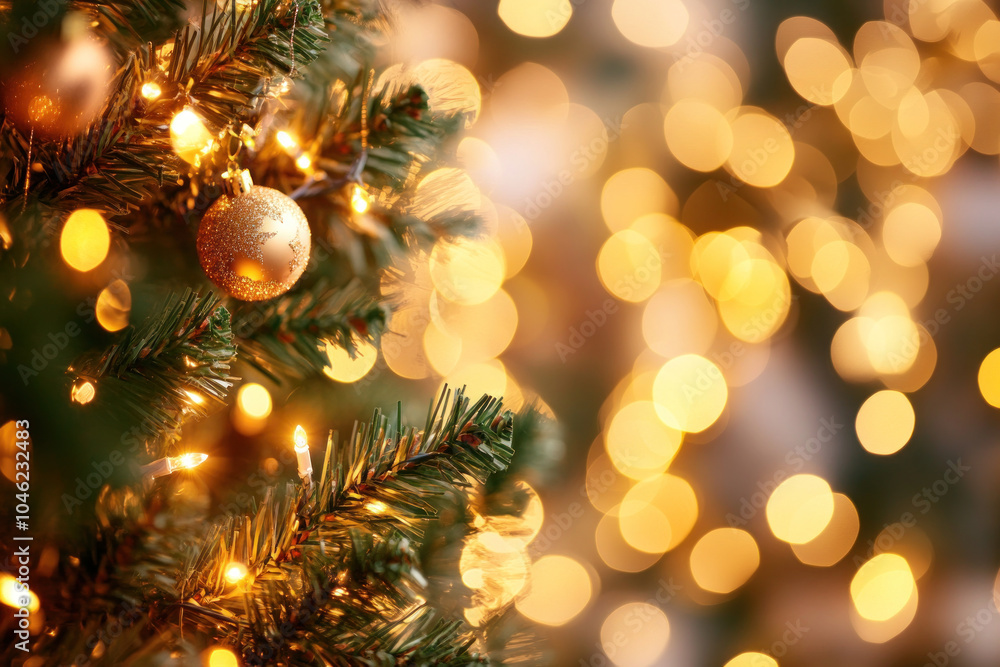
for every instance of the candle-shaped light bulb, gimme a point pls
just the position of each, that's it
(302, 454)
(186, 461)
(171, 464)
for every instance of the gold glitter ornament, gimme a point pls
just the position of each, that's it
(254, 244)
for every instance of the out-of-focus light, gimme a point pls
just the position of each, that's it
(665, 232)
(910, 233)
(8, 448)
(712, 258)
(639, 443)
(342, 367)
(400, 345)
(535, 18)
(446, 189)
(254, 400)
(819, 70)
(486, 377)
(629, 266)
(605, 486)
(842, 272)
(690, 393)
(763, 151)
(986, 47)
(752, 659)
(761, 298)
(559, 589)
(800, 508)
(698, 135)
(651, 23)
(529, 95)
(189, 136)
(615, 551)
(882, 587)
(686, 299)
(723, 559)
(150, 90)
(632, 193)
(467, 271)
(443, 349)
(646, 640)
(462, 335)
(989, 378)
(114, 304)
(848, 351)
(12, 597)
(707, 79)
(429, 31)
(885, 422)
(303, 162)
(221, 657)
(85, 239)
(514, 236)
(836, 540)
(658, 513)
(910, 542)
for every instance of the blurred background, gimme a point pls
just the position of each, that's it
(745, 253)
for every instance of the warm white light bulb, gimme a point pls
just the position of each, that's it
(302, 455)
(359, 199)
(186, 461)
(301, 443)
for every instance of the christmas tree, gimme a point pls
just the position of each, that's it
(203, 206)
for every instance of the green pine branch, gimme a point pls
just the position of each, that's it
(224, 69)
(131, 24)
(286, 336)
(174, 364)
(405, 470)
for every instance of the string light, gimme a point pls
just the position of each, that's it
(83, 392)
(302, 454)
(376, 507)
(195, 397)
(236, 572)
(171, 464)
(286, 141)
(150, 90)
(359, 199)
(302, 159)
(189, 136)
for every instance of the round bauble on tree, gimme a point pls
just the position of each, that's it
(254, 244)
(57, 85)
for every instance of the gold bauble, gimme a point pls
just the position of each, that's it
(255, 244)
(58, 87)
